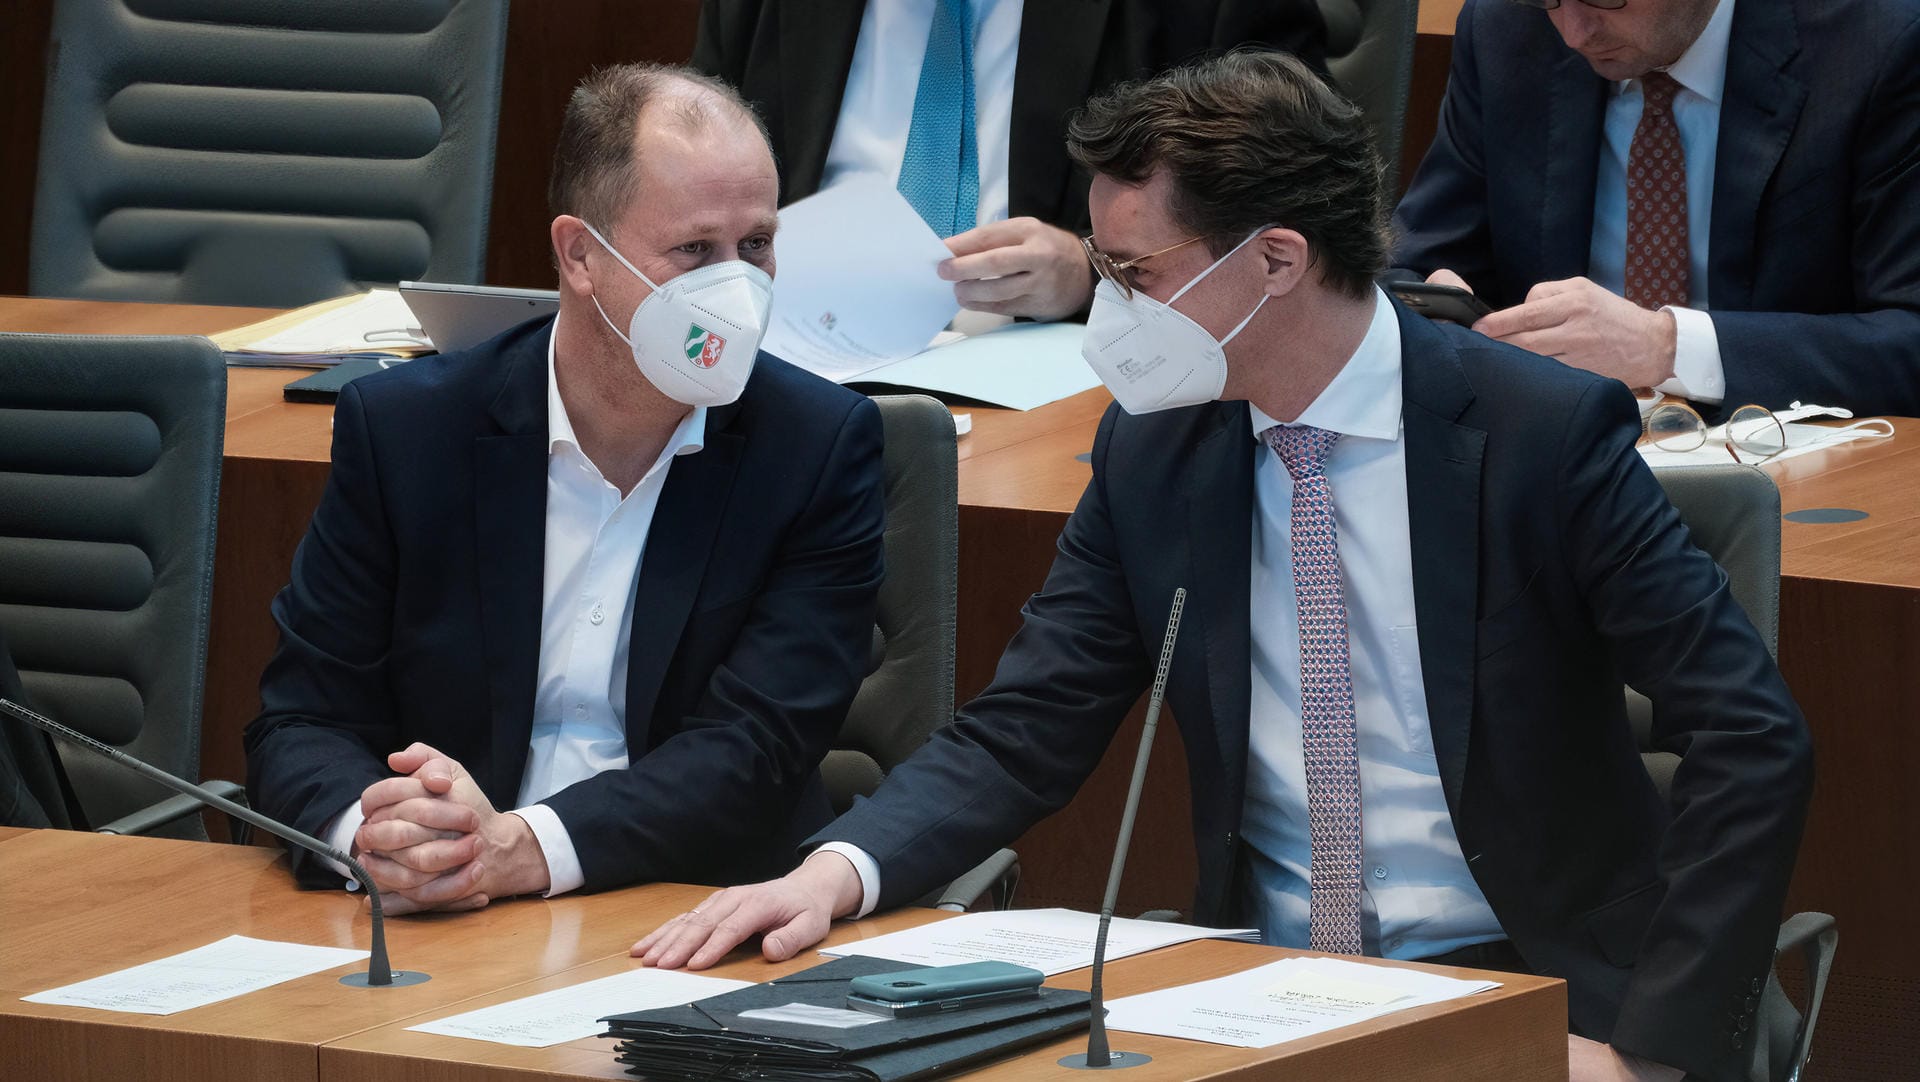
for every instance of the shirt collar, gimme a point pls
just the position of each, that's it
(1702, 69)
(690, 436)
(1363, 398)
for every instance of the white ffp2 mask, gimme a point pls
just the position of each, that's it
(1153, 357)
(695, 337)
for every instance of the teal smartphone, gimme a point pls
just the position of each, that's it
(933, 989)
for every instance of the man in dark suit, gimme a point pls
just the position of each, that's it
(1719, 199)
(580, 571)
(1418, 565)
(838, 81)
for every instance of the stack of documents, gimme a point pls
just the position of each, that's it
(1049, 940)
(1295, 997)
(799, 1027)
(370, 325)
(221, 970)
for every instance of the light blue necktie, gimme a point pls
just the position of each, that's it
(940, 172)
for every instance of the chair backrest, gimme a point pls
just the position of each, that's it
(265, 152)
(109, 477)
(1733, 514)
(910, 691)
(1370, 54)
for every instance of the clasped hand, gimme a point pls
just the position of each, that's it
(432, 840)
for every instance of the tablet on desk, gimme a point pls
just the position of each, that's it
(454, 317)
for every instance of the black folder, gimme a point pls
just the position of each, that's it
(709, 1039)
(324, 385)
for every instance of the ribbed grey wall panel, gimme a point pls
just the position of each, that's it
(109, 478)
(269, 152)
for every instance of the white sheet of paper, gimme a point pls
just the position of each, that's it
(1801, 439)
(807, 1014)
(381, 314)
(574, 1012)
(1289, 999)
(1049, 940)
(220, 970)
(856, 286)
(1020, 366)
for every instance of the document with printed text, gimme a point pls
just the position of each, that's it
(1289, 999)
(230, 967)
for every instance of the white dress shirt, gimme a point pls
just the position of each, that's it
(1418, 898)
(876, 109)
(1701, 72)
(595, 540)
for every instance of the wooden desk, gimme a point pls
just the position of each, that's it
(78, 905)
(1849, 641)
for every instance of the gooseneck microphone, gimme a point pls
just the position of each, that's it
(379, 974)
(1098, 1056)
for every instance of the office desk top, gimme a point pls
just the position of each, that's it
(79, 905)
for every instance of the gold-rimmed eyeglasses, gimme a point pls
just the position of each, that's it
(1116, 272)
(1674, 426)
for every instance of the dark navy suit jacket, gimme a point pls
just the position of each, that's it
(414, 613)
(1548, 568)
(1814, 251)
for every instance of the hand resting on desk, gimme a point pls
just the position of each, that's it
(791, 914)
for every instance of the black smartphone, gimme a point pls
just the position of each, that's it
(1436, 301)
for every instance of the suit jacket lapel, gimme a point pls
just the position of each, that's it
(1576, 107)
(510, 502)
(1219, 562)
(1443, 511)
(1053, 74)
(816, 51)
(1759, 108)
(679, 542)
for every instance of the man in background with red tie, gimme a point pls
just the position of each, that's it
(1719, 199)
(1419, 565)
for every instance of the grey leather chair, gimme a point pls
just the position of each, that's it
(1370, 54)
(109, 480)
(909, 693)
(1733, 513)
(264, 152)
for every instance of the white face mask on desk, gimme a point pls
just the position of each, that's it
(695, 338)
(1153, 357)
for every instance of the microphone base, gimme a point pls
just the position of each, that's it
(401, 979)
(1117, 1061)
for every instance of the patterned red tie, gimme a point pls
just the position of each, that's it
(1657, 255)
(1326, 694)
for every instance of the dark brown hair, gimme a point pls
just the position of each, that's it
(593, 172)
(1250, 139)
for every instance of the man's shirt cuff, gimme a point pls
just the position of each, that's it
(563, 863)
(866, 867)
(1698, 375)
(339, 834)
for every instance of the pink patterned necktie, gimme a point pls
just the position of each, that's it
(1658, 258)
(1326, 693)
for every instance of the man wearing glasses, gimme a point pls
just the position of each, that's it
(1419, 565)
(1719, 199)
